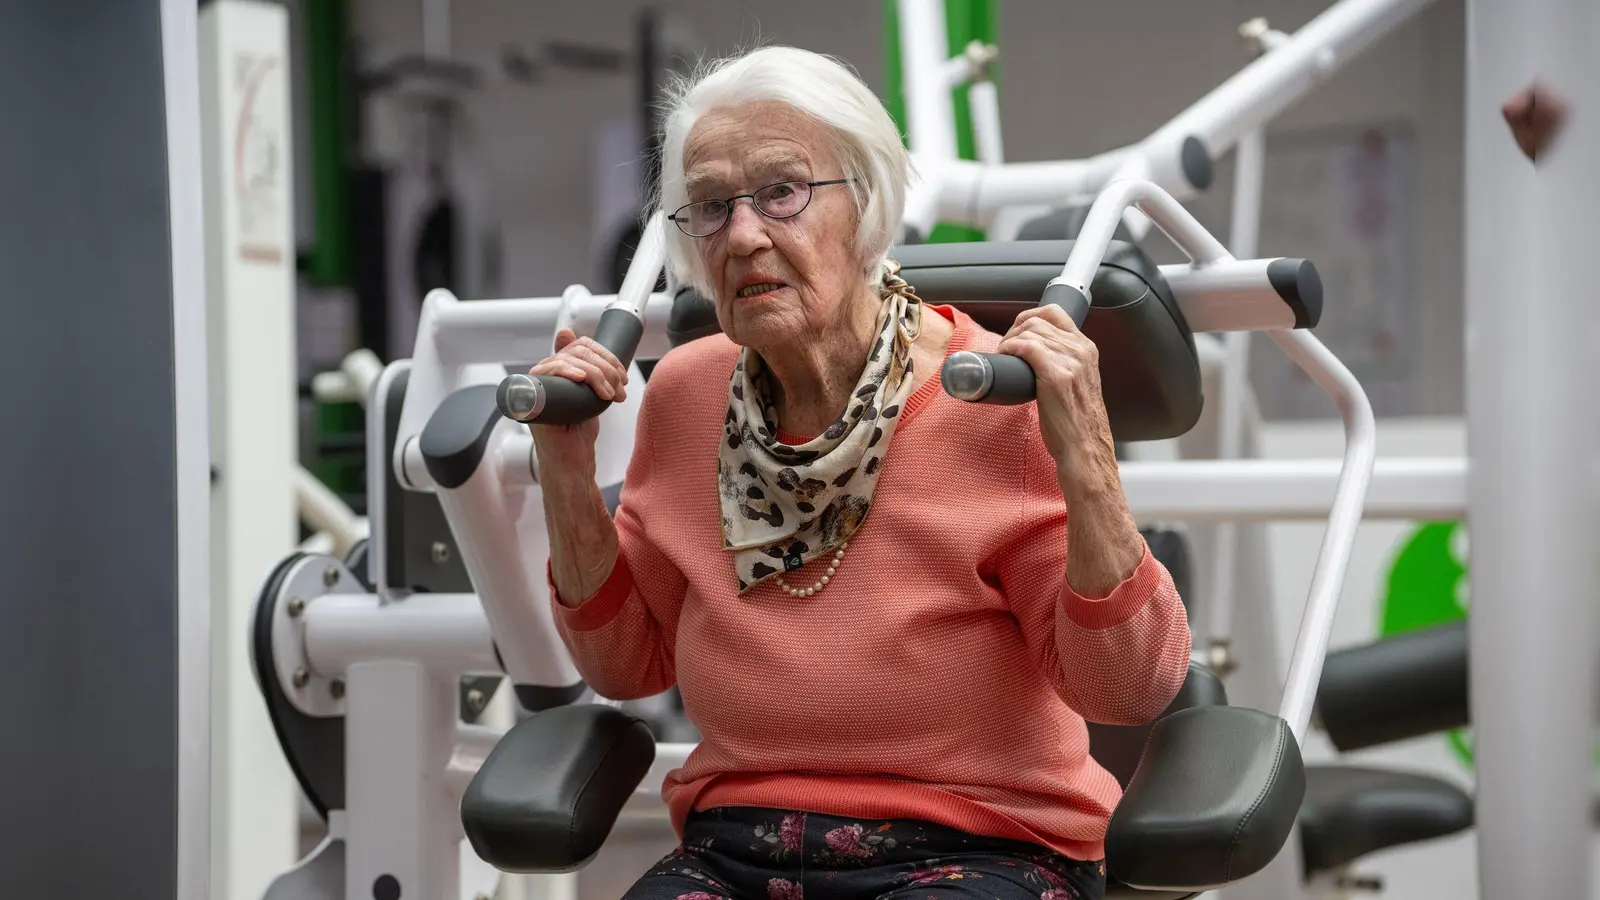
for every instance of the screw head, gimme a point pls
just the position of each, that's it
(476, 701)
(330, 576)
(297, 605)
(441, 551)
(301, 677)
(336, 688)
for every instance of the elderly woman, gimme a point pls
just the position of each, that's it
(889, 613)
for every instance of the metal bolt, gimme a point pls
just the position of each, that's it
(297, 605)
(330, 576)
(1219, 655)
(301, 677)
(336, 688)
(441, 552)
(476, 701)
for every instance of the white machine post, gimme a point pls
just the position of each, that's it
(930, 119)
(250, 282)
(404, 826)
(1531, 437)
(1249, 173)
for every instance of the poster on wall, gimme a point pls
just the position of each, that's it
(1344, 198)
(258, 158)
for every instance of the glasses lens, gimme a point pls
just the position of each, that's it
(703, 218)
(781, 201)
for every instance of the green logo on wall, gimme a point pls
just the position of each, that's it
(1427, 586)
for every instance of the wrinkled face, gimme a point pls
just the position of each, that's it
(775, 280)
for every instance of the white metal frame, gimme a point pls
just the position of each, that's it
(927, 79)
(1532, 433)
(978, 193)
(180, 48)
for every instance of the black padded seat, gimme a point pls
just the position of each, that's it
(1149, 369)
(1351, 811)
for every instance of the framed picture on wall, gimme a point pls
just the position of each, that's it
(1345, 198)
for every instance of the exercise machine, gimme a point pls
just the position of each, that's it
(360, 679)
(1179, 155)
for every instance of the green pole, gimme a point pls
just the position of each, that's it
(327, 260)
(965, 21)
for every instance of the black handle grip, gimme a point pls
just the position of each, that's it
(553, 400)
(999, 378)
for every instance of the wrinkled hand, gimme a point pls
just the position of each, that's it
(1066, 369)
(570, 448)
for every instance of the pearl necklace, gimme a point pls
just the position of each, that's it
(833, 567)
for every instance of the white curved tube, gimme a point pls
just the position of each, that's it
(322, 509)
(1333, 560)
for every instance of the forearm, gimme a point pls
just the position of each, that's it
(583, 537)
(1103, 541)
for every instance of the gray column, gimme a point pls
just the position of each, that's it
(1531, 376)
(103, 655)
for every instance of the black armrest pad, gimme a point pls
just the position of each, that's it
(1213, 801)
(1400, 687)
(550, 791)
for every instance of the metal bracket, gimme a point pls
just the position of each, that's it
(308, 579)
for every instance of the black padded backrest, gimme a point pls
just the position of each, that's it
(1118, 747)
(1064, 223)
(1149, 369)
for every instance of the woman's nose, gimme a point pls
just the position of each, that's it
(747, 228)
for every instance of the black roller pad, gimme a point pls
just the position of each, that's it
(548, 795)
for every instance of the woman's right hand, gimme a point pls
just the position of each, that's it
(570, 448)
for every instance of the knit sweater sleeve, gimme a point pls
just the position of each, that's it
(1118, 659)
(623, 639)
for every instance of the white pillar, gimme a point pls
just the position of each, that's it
(250, 283)
(1531, 431)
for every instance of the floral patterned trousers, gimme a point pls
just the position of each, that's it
(746, 853)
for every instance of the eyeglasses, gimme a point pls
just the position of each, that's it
(783, 200)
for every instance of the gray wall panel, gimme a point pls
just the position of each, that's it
(88, 614)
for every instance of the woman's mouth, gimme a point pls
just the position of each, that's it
(754, 290)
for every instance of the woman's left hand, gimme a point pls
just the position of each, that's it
(1066, 369)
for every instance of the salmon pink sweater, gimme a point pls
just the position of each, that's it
(946, 672)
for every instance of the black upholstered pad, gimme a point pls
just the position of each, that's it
(1401, 687)
(551, 789)
(1214, 800)
(1149, 369)
(1350, 812)
(1116, 890)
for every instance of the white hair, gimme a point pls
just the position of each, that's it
(865, 141)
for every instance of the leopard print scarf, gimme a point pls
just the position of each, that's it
(782, 505)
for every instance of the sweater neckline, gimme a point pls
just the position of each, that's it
(930, 388)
